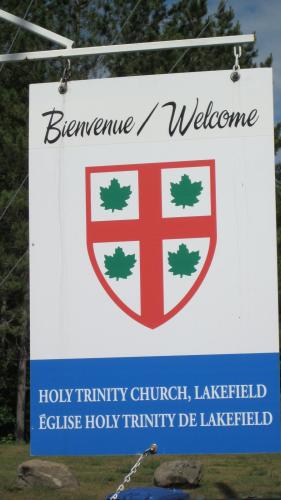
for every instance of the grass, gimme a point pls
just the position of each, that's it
(224, 476)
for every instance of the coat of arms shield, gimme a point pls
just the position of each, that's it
(151, 234)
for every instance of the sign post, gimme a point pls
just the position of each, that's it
(153, 265)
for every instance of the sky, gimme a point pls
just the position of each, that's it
(264, 18)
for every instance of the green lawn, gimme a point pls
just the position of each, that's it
(224, 476)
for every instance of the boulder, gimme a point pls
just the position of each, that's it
(38, 473)
(182, 473)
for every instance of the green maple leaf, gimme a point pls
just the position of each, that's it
(185, 193)
(114, 197)
(119, 265)
(183, 261)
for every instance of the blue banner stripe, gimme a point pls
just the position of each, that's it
(185, 404)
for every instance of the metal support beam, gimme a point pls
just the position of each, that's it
(34, 28)
(134, 47)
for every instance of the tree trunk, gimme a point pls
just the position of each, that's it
(22, 370)
(21, 393)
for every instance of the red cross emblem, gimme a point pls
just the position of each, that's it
(151, 234)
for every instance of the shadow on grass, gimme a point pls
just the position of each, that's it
(227, 491)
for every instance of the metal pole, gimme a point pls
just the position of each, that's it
(34, 28)
(134, 47)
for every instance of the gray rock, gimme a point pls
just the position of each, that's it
(183, 473)
(38, 473)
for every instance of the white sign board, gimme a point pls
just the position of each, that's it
(153, 265)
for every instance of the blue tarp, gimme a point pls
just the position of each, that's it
(151, 494)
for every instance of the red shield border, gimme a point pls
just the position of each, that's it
(152, 314)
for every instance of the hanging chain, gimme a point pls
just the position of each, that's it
(235, 75)
(150, 451)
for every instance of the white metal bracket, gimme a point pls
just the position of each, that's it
(68, 51)
(34, 28)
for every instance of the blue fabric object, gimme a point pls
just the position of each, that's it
(151, 494)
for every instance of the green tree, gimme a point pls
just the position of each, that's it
(185, 193)
(128, 21)
(278, 219)
(119, 265)
(66, 18)
(183, 262)
(277, 137)
(114, 197)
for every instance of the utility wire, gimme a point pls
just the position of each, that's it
(13, 197)
(1, 67)
(17, 32)
(100, 58)
(22, 183)
(199, 34)
(13, 268)
(126, 21)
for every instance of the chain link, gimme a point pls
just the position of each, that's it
(65, 77)
(150, 451)
(237, 55)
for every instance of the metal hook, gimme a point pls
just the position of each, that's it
(65, 77)
(235, 75)
(152, 450)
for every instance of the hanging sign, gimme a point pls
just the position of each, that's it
(153, 265)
